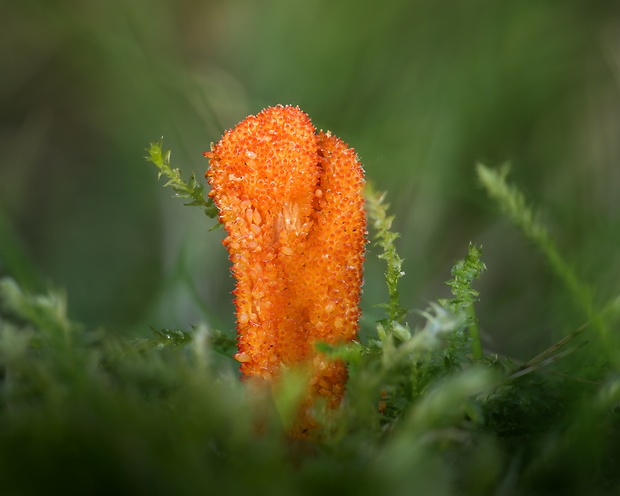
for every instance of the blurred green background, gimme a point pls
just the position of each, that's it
(422, 89)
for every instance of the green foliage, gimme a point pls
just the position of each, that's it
(384, 238)
(408, 364)
(174, 337)
(192, 190)
(464, 273)
(513, 204)
(219, 341)
(49, 311)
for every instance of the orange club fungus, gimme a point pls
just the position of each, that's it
(291, 202)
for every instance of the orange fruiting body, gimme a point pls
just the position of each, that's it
(292, 205)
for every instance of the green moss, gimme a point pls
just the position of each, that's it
(85, 411)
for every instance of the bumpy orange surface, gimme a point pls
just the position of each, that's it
(291, 202)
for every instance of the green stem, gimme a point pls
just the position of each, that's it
(474, 332)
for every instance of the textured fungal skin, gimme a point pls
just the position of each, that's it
(291, 202)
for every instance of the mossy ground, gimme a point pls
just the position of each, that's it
(428, 409)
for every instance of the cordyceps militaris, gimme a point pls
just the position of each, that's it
(292, 205)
